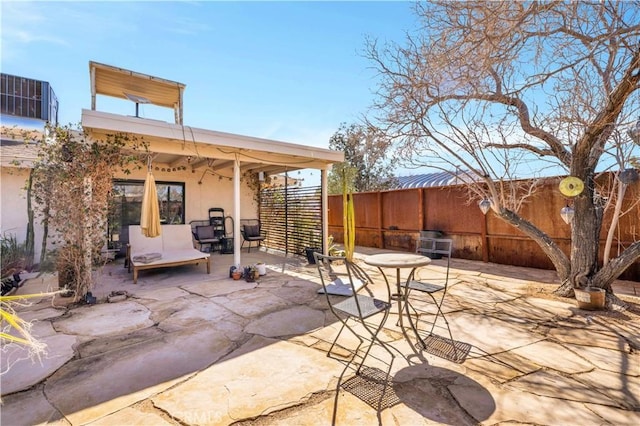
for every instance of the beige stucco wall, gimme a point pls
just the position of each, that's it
(13, 207)
(199, 197)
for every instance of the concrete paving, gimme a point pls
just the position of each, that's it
(187, 348)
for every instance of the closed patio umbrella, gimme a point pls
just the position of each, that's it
(150, 214)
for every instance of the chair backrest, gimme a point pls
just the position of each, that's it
(195, 223)
(250, 228)
(205, 232)
(435, 248)
(337, 274)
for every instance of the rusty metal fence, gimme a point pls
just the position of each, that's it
(393, 220)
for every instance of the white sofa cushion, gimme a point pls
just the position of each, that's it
(141, 244)
(177, 237)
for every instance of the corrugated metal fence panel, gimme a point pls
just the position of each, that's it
(292, 218)
(447, 209)
(401, 209)
(365, 216)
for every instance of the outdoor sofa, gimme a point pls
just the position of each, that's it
(174, 247)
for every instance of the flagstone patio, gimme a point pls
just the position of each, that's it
(187, 348)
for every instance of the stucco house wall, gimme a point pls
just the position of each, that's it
(13, 207)
(204, 192)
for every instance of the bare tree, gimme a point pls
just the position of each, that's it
(507, 89)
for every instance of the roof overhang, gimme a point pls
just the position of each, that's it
(175, 144)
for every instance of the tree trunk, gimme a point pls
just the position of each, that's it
(585, 239)
(548, 246)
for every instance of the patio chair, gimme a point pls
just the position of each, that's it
(435, 248)
(353, 306)
(251, 230)
(205, 235)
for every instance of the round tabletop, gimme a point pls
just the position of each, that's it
(397, 260)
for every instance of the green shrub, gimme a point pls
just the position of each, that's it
(13, 255)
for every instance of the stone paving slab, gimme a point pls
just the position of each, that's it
(554, 356)
(235, 388)
(295, 294)
(491, 335)
(165, 294)
(624, 390)
(100, 320)
(219, 287)
(115, 343)
(39, 313)
(613, 416)
(293, 321)
(132, 416)
(532, 309)
(520, 407)
(138, 372)
(250, 303)
(351, 411)
(31, 408)
(608, 339)
(501, 367)
(199, 310)
(430, 383)
(553, 385)
(21, 372)
(613, 360)
(474, 294)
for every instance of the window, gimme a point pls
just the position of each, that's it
(126, 205)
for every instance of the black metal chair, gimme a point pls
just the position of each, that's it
(205, 235)
(251, 230)
(353, 306)
(435, 248)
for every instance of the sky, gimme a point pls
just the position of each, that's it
(289, 71)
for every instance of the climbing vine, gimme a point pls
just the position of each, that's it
(71, 183)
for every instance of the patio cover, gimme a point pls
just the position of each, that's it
(198, 149)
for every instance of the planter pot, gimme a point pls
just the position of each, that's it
(309, 252)
(262, 268)
(591, 299)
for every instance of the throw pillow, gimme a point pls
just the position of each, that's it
(205, 232)
(251, 231)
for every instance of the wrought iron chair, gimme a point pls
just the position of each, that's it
(353, 306)
(435, 248)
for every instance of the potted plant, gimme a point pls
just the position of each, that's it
(309, 253)
(333, 249)
(251, 273)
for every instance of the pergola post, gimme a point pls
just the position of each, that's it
(236, 212)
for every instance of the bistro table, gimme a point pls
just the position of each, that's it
(398, 261)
